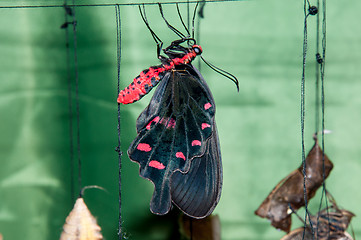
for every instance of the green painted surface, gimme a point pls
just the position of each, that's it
(258, 41)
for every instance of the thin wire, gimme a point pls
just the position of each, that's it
(317, 103)
(317, 87)
(188, 16)
(115, 4)
(70, 107)
(77, 95)
(320, 70)
(303, 82)
(322, 66)
(198, 28)
(118, 24)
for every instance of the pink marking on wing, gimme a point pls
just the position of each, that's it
(156, 120)
(171, 123)
(145, 147)
(205, 125)
(196, 143)
(156, 164)
(180, 155)
(207, 106)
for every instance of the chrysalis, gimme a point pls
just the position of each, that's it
(289, 191)
(329, 223)
(80, 224)
(199, 229)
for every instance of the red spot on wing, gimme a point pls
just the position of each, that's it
(144, 147)
(196, 143)
(205, 125)
(171, 123)
(207, 106)
(156, 120)
(156, 164)
(180, 155)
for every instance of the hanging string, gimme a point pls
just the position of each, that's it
(118, 149)
(303, 82)
(70, 105)
(317, 76)
(321, 61)
(74, 23)
(188, 15)
(120, 4)
(198, 33)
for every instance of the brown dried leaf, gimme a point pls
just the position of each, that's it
(80, 224)
(208, 228)
(290, 190)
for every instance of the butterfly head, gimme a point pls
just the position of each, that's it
(197, 49)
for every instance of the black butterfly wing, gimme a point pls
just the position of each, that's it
(174, 130)
(198, 191)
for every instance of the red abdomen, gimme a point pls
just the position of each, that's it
(142, 84)
(149, 78)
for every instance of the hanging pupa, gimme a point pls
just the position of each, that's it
(289, 191)
(329, 223)
(199, 229)
(80, 224)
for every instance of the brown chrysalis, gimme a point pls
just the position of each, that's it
(200, 229)
(289, 192)
(80, 224)
(332, 223)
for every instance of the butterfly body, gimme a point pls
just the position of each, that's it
(150, 77)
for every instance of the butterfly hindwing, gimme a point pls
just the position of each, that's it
(174, 129)
(198, 191)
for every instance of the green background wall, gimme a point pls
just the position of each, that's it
(258, 41)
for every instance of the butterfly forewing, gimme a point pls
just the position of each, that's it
(173, 130)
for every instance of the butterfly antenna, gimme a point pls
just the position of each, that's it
(223, 73)
(194, 17)
(180, 16)
(170, 26)
(155, 37)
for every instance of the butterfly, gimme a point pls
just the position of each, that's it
(177, 145)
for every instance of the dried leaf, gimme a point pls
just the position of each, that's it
(80, 224)
(289, 191)
(208, 228)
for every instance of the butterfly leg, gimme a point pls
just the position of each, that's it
(157, 40)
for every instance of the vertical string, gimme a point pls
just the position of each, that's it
(303, 82)
(77, 96)
(118, 149)
(322, 70)
(317, 87)
(198, 32)
(70, 105)
(188, 15)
